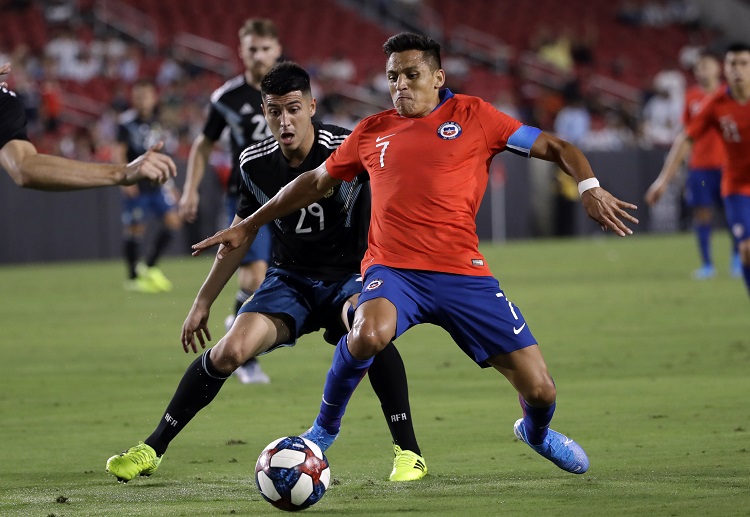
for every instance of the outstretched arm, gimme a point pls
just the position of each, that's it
(677, 154)
(307, 188)
(30, 169)
(600, 205)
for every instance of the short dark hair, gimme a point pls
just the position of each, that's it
(262, 27)
(410, 41)
(283, 78)
(738, 46)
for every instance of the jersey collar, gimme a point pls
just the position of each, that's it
(444, 94)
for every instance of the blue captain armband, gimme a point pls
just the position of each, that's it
(521, 141)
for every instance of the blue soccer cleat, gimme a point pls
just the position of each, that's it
(319, 437)
(558, 448)
(704, 272)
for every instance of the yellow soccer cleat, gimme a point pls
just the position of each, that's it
(407, 466)
(140, 460)
(155, 276)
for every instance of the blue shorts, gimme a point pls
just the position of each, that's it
(703, 188)
(135, 210)
(309, 304)
(473, 309)
(260, 249)
(737, 209)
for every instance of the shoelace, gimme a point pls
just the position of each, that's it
(409, 459)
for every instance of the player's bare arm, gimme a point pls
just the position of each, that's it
(200, 152)
(679, 151)
(30, 169)
(196, 323)
(599, 204)
(307, 188)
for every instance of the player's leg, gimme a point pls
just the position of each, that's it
(737, 209)
(251, 334)
(164, 204)
(387, 376)
(701, 189)
(493, 332)
(133, 230)
(376, 323)
(250, 275)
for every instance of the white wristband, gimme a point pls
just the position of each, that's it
(587, 184)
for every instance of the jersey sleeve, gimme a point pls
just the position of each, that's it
(215, 123)
(701, 121)
(12, 118)
(247, 203)
(499, 128)
(345, 163)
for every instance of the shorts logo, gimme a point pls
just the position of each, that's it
(738, 230)
(374, 285)
(477, 262)
(449, 130)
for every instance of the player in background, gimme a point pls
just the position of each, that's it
(313, 283)
(237, 104)
(32, 170)
(139, 128)
(428, 164)
(707, 158)
(728, 111)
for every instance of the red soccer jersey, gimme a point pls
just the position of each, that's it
(708, 151)
(428, 176)
(732, 119)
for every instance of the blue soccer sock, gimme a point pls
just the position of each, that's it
(703, 233)
(536, 420)
(342, 380)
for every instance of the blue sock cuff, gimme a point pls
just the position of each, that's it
(342, 351)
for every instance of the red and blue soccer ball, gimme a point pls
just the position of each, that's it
(292, 473)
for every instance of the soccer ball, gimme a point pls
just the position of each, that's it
(292, 473)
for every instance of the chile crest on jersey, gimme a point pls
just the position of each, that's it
(449, 130)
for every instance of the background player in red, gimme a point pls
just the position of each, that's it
(707, 158)
(33, 170)
(729, 112)
(428, 163)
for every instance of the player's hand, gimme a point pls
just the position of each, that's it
(196, 325)
(655, 192)
(229, 239)
(188, 205)
(151, 165)
(4, 69)
(608, 211)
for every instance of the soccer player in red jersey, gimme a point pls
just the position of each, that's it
(728, 111)
(428, 163)
(707, 158)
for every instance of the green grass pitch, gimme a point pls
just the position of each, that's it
(651, 367)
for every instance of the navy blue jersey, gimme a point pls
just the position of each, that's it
(238, 105)
(139, 135)
(12, 117)
(325, 240)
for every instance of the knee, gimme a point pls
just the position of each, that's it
(228, 355)
(541, 392)
(367, 340)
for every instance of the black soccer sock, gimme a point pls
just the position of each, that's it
(131, 249)
(196, 390)
(388, 379)
(162, 241)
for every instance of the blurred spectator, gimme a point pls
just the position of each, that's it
(505, 101)
(170, 71)
(129, 67)
(84, 68)
(51, 105)
(661, 119)
(64, 48)
(338, 69)
(573, 122)
(609, 133)
(555, 49)
(629, 13)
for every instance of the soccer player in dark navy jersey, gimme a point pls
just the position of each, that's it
(428, 161)
(139, 127)
(30, 169)
(314, 281)
(237, 105)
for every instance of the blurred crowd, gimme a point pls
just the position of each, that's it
(568, 107)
